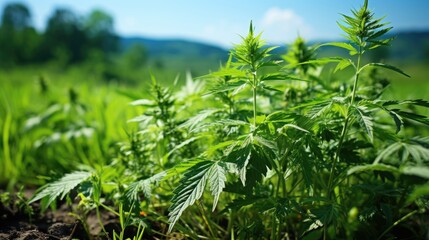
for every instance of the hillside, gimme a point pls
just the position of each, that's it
(179, 55)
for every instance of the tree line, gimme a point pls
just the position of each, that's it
(68, 38)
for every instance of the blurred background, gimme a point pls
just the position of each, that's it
(171, 37)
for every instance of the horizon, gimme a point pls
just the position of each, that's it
(279, 21)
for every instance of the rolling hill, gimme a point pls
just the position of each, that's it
(178, 54)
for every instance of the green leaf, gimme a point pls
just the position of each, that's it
(398, 120)
(190, 189)
(145, 186)
(61, 187)
(418, 102)
(143, 102)
(372, 167)
(388, 152)
(343, 64)
(343, 45)
(382, 65)
(242, 161)
(279, 77)
(416, 117)
(328, 213)
(192, 122)
(418, 192)
(365, 121)
(322, 61)
(216, 179)
(419, 171)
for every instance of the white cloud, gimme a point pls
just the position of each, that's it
(222, 32)
(283, 25)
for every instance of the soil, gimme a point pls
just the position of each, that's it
(17, 223)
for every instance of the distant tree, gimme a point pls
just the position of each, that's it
(19, 41)
(135, 56)
(64, 38)
(16, 16)
(99, 27)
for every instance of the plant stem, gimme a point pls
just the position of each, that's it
(397, 222)
(97, 211)
(204, 215)
(254, 98)
(346, 125)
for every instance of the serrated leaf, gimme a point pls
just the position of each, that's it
(144, 186)
(227, 87)
(416, 117)
(328, 214)
(190, 189)
(197, 119)
(242, 162)
(365, 121)
(60, 188)
(217, 179)
(382, 65)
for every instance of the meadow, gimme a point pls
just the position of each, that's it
(270, 145)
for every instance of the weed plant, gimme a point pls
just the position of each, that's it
(272, 149)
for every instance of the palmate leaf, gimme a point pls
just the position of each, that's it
(417, 148)
(409, 115)
(192, 186)
(144, 186)
(192, 122)
(329, 214)
(60, 188)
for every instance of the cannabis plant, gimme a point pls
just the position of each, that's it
(337, 162)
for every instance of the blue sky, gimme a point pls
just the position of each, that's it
(222, 21)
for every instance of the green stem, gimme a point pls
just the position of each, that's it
(345, 127)
(254, 98)
(204, 215)
(397, 222)
(97, 211)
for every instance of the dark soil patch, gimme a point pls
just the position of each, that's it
(18, 221)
